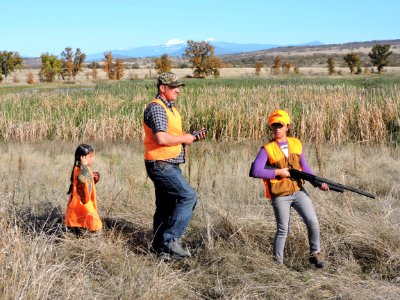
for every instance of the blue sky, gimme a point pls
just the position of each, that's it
(34, 27)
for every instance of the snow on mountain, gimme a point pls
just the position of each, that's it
(176, 47)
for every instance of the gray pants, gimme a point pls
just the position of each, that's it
(303, 205)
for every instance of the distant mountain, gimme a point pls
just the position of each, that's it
(145, 51)
(313, 43)
(177, 48)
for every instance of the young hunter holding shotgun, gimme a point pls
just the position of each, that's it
(272, 165)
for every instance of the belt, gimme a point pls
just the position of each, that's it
(160, 163)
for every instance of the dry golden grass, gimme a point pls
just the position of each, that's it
(233, 226)
(230, 235)
(86, 76)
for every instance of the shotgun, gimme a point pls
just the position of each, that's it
(318, 181)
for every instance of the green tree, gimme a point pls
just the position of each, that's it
(331, 65)
(51, 66)
(380, 56)
(201, 56)
(162, 64)
(72, 64)
(353, 61)
(9, 62)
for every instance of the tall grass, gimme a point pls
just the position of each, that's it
(365, 109)
(230, 235)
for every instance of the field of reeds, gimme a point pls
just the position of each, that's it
(338, 110)
(350, 130)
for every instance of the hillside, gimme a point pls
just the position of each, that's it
(313, 56)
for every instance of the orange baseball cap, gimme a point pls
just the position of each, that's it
(279, 116)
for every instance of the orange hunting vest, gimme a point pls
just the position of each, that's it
(154, 151)
(277, 159)
(79, 214)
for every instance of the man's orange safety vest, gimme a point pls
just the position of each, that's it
(154, 151)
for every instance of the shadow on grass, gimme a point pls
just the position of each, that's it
(49, 220)
(137, 238)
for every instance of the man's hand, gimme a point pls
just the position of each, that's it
(200, 134)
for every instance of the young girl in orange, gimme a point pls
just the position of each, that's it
(82, 207)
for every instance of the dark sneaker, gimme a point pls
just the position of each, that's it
(174, 248)
(165, 257)
(317, 260)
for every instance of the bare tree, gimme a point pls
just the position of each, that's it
(79, 59)
(286, 67)
(114, 70)
(331, 65)
(258, 67)
(72, 64)
(108, 65)
(119, 68)
(276, 67)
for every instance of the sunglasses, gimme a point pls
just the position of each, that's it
(277, 125)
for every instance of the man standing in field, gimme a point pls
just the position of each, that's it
(164, 143)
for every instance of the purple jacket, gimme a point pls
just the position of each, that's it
(260, 169)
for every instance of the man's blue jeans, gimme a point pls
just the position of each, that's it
(175, 201)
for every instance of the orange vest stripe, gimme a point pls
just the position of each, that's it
(79, 214)
(154, 151)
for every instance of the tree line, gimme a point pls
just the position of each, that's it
(201, 56)
(379, 57)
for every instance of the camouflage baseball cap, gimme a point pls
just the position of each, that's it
(170, 79)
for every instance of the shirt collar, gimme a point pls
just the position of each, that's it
(169, 104)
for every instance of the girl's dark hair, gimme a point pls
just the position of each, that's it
(81, 150)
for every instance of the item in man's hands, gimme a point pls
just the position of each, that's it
(196, 134)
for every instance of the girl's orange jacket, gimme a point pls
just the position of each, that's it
(82, 206)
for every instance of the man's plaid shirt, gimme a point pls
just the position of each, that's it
(156, 118)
